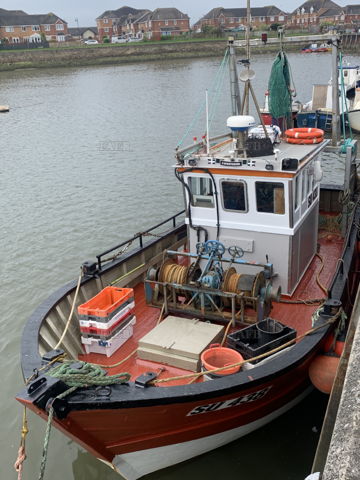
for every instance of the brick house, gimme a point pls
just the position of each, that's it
(83, 33)
(17, 26)
(228, 18)
(313, 12)
(352, 16)
(117, 22)
(163, 22)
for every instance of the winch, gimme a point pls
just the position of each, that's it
(214, 286)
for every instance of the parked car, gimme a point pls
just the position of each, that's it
(91, 41)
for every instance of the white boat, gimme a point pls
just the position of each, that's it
(318, 111)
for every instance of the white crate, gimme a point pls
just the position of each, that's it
(105, 325)
(108, 347)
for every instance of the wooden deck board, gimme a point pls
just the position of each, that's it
(297, 316)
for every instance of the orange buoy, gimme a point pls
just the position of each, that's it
(304, 141)
(304, 133)
(322, 372)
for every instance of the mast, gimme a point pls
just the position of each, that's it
(335, 91)
(234, 80)
(247, 83)
(207, 124)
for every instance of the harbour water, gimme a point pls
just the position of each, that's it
(86, 161)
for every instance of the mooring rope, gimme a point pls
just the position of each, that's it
(48, 430)
(22, 451)
(75, 375)
(71, 311)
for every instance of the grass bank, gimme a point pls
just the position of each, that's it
(114, 54)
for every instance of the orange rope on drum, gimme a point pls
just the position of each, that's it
(304, 133)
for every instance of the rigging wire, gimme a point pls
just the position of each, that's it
(203, 104)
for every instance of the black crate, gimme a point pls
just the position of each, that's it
(250, 342)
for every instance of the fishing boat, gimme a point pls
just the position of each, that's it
(203, 328)
(318, 111)
(315, 48)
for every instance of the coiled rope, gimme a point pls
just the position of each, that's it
(83, 374)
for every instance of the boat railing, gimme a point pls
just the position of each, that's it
(139, 237)
(190, 149)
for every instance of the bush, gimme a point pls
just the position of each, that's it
(106, 40)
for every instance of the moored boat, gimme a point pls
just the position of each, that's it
(260, 265)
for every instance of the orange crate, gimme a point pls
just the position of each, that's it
(106, 302)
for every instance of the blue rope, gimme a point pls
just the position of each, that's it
(203, 104)
(217, 92)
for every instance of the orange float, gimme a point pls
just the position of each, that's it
(322, 372)
(304, 136)
(304, 141)
(304, 133)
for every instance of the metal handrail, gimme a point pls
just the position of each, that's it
(138, 236)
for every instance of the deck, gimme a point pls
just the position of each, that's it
(295, 315)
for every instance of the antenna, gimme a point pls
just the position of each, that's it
(246, 75)
(207, 123)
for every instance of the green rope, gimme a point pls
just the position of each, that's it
(203, 104)
(76, 374)
(48, 430)
(218, 89)
(82, 374)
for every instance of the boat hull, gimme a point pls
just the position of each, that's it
(354, 120)
(139, 431)
(137, 464)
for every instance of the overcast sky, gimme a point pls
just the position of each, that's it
(87, 10)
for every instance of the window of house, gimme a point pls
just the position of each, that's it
(262, 19)
(272, 19)
(9, 29)
(59, 26)
(201, 191)
(16, 40)
(270, 197)
(36, 28)
(281, 18)
(23, 28)
(234, 195)
(175, 22)
(106, 20)
(47, 28)
(166, 22)
(106, 30)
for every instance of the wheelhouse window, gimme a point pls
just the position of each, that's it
(234, 195)
(202, 194)
(270, 197)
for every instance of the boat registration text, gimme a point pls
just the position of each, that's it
(234, 402)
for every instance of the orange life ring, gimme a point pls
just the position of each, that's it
(304, 141)
(304, 133)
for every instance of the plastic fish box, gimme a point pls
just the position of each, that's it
(92, 326)
(107, 334)
(109, 347)
(306, 119)
(250, 342)
(105, 304)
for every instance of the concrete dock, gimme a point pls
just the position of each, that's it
(337, 456)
